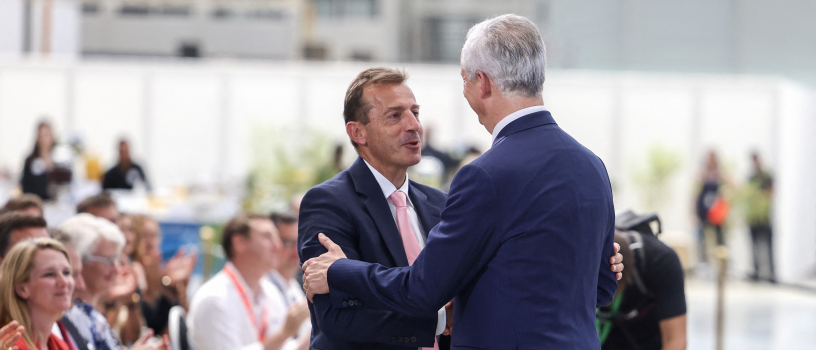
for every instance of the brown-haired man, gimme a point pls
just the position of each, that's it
(101, 205)
(16, 227)
(27, 203)
(357, 210)
(239, 308)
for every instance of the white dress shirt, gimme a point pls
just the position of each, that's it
(291, 292)
(388, 188)
(218, 319)
(512, 117)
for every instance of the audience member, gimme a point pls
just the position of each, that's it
(27, 203)
(16, 227)
(239, 308)
(101, 205)
(79, 285)
(284, 277)
(125, 314)
(99, 242)
(125, 173)
(35, 288)
(166, 286)
(39, 164)
(758, 213)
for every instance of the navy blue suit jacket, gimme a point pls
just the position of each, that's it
(351, 209)
(523, 244)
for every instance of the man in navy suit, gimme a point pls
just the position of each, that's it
(522, 240)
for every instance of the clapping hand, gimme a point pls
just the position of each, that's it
(180, 267)
(315, 270)
(10, 334)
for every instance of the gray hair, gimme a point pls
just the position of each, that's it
(508, 49)
(86, 231)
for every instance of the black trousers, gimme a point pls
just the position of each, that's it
(762, 242)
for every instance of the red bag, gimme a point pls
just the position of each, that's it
(718, 212)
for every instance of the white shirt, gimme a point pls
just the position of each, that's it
(218, 319)
(388, 188)
(512, 117)
(291, 292)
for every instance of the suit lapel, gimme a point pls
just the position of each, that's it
(366, 184)
(428, 217)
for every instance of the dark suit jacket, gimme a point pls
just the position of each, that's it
(352, 210)
(523, 244)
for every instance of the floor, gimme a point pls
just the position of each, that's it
(758, 316)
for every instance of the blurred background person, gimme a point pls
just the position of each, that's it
(101, 205)
(27, 203)
(239, 308)
(709, 201)
(165, 285)
(39, 164)
(125, 174)
(759, 202)
(287, 277)
(649, 309)
(16, 227)
(36, 286)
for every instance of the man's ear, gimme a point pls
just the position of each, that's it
(485, 84)
(357, 132)
(22, 290)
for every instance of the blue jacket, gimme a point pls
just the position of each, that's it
(523, 244)
(351, 209)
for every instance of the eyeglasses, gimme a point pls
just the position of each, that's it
(288, 243)
(108, 262)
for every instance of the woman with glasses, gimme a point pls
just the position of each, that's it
(35, 290)
(100, 244)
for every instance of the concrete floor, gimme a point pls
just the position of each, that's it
(758, 316)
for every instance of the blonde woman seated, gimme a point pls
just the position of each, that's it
(35, 290)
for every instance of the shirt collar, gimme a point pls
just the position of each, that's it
(512, 117)
(387, 187)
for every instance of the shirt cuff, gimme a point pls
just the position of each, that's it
(441, 321)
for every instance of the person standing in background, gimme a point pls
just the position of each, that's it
(759, 201)
(125, 173)
(39, 164)
(710, 182)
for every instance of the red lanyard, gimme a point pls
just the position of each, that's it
(234, 277)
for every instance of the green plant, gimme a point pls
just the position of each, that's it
(654, 181)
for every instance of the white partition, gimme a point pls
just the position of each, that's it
(194, 122)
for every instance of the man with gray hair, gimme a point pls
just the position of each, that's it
(522, 242)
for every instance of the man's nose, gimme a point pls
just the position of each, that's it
(412, 121)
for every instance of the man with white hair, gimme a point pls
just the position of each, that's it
(522, 242)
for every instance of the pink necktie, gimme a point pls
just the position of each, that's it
(409, 238)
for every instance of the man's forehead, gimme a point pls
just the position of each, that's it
(380, 93)
(30, 232)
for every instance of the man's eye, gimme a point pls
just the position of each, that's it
(416, 114)
(395, 115)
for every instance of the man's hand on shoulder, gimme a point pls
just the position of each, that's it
(315, 276)
(617, 262)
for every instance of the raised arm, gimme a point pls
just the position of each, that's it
(458, 248)
(322, 211)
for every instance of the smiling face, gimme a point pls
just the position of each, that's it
(393, 136)
(50, 286)
(98, 274)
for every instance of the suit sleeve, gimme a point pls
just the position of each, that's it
(322, 211)
(458, 248)
(607, 283)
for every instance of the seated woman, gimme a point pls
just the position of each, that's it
(35, 290)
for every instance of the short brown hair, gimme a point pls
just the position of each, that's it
(355, 108)
(238, 225)
(24, 202)
(101, 200)
(15, 221)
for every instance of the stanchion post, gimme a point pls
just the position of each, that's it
(722, 262)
